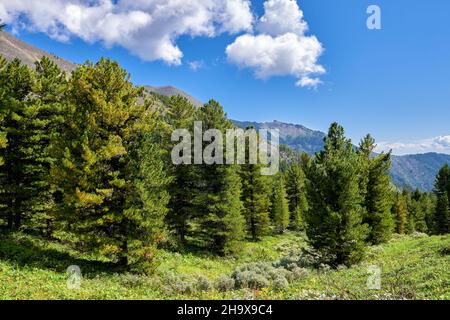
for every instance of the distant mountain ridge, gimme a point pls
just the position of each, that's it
(295, 136)
(413, 171)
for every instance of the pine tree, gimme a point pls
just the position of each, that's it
(418, 212)
(400, 212)
(442, 183)
(110, 168)
(280, 206)
(45, 120)
(16, 83)
(376, 190)
(3, 140)
(220, 223)
(428, 205)
(180, 114)
(334, 220)
(297, 196)
(255, 198)
(442, 191)
(442, 215)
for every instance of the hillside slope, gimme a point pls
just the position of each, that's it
(418, 170)
(170, 91)
(11, 47)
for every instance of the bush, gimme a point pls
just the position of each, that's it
(261, 275)
(250, 280)
(130, 280)
(202, 283)
(299, 273)
(294, 260)
(280, 283)
(179, 284)
(225, 283)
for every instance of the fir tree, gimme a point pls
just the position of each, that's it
(220, 223)
(376, 190)
(109, 168)
(442, 192)
(280, 206)
(16, 83)
(334, 220)
(255, 198)
(297, 196)
(442, 183)
(180, 114)
(442, 214)
(428, 205)
(418, 212)
(47, 118)
(400, 212)
(3, 140)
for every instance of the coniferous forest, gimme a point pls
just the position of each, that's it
(87, 179)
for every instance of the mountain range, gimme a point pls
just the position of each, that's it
(416, 171)
(412, 171)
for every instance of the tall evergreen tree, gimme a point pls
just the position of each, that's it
(297, 196)
(110, 168)
(280, 206)
(376, 186)
(16, 83)
(334, 220)
(221, 225)
(255, 198)
(428, 205)
(3, 140)
(442, 183)
(418, 212)
(44, 123)
(442, 191)
(400, 212)
(180, 114)
(442, 214)
(32, 118)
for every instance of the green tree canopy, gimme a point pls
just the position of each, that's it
(334, 220)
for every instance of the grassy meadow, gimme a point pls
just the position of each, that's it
(413, 267)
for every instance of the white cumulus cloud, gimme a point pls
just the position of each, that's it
(147, 28)
(439, 144)
(280, 46)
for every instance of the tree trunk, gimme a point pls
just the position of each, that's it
(10, 215)
(17, 215)
(49, 229)
(123, 259)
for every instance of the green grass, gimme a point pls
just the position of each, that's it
(416, 267)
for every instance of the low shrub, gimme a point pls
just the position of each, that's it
(203, 283)
(225, 283)
(280, 283)
(130, 280)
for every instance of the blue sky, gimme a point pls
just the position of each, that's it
(393, 82)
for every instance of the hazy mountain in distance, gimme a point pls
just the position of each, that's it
(170, 91)
(11, 47)
(411, 171)
(417, 170)
(295, 136)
